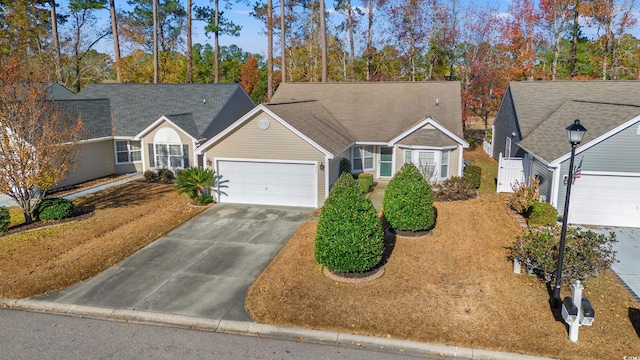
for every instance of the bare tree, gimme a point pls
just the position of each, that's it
(37, 140)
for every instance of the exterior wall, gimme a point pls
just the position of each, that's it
(504, 126)
(334, 166)
(148, 139)
(96, 160)
(618, 153)
(399, 158)
(455, 168)
(275, 143)
(238, 105)
(540, 170)
(129, 168)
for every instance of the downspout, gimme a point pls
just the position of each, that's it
(460, 160)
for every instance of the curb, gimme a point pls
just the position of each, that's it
(247, 328)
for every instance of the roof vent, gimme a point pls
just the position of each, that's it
(437, 102)
(204, 101)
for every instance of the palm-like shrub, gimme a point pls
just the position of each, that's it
(195, 182)
(408, 201)
(349, 238)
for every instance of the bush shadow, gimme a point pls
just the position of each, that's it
(389, 241)
(634, 317)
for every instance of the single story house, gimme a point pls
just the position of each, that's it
(288, 151)
(138, 127)
(531, 124)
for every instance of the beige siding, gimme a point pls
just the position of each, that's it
(129, 168)
(334, 166)
(454, 162)
(184, 139)
(399, 158)
(275, 143)
(96, 159)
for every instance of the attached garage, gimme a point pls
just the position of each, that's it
(268, 182)
(606, 199)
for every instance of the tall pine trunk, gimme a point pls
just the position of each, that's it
(116, 39)
(269, 49)
(323, 41)
(189, 43)
(56, 41)
(155, 41)
(216, 45)
(351, 44)
(370, 41)
(283, 59)
(574, 41)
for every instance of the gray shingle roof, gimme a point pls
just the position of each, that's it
(310, 117)
(95, 116)
(378, 111)
(136, 106)
(544, 109)
(428, 137)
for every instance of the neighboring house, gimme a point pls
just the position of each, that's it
(139, 127)
(288, 151)
(531, 125)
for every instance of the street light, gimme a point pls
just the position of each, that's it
(575, 132)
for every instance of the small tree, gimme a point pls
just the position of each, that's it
(349, 236)
(194, 182)
(37, 139)
(408, 201)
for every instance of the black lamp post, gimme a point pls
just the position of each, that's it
(575, 132)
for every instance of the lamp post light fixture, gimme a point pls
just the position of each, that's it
(575, 133)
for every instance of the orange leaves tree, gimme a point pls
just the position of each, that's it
(37, 139)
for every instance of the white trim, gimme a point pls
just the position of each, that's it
(375, 155)
(597, 140)
(460, 161)
(609, 173)
(88, 141)
(144, 149)
(374, 143)
(555, 187)
(246, 117)
(326, 178)
(156, 124)
(423, 123)
(420, 147)
(115, 152)
(303, 162)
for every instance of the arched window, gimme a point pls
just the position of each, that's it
(169, 152)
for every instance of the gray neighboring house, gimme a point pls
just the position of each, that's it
(288, 151)
(531, 125)
(139, 127)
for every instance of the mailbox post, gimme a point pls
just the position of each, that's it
(577, 311)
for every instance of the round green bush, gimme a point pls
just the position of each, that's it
(349, 238)
(408, 201)
(542, 214)
(5, 218)
(55, 209)
(474, 174)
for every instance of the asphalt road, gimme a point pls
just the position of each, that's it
(28, 335)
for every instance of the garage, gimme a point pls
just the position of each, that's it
(268, 182)
(607, 200)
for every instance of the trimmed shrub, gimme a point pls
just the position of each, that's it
(345, 166)
(542, 214)
(408, 201)
(522, 198)
(587, 254)
(196, 183)
(150, 175)
(366, 181)
(54, 209)
(349, 238)
(5, 218)
(454, 188)
(166, 175)
(474, 174)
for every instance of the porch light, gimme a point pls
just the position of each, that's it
(575, 132)
(321, 166)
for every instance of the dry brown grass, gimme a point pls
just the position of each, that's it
(454, 286)
(124, 219)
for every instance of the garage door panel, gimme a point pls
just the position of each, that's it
(605, 200)
(270, 183)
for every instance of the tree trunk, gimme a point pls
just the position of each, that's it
(56, 41)
(283, 69)
(323, 41)
(116, 39)
(574, 43)
(76, 53)
(269, 49)
(370, 41)
(351, 44)
(155, 41)
(189, 43)
(216, 45)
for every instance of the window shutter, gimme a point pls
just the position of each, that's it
(185, 155)
(152, 158)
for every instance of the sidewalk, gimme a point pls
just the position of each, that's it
(377, 195)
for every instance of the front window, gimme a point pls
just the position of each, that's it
(363, 157)
(169, 156)
(444, 166)
(128, 151)
(427, 164)
(407, 157)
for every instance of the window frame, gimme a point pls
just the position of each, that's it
(169, 156)
(362, 153)
(130, 151)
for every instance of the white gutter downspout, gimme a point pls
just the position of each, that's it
(555, 184)
(460, 161)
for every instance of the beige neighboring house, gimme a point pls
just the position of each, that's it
(137, 127)
(288, 151)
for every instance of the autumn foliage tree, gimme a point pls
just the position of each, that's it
(37, 139)
(250, 76)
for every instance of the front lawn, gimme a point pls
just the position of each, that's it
(454, 286)
(122, 220)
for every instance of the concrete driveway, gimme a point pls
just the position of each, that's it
(628, 254)
(202, 269)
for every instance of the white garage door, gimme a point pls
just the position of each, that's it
(269, 183)
(605, 200)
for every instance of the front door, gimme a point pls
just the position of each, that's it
(386, 162)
